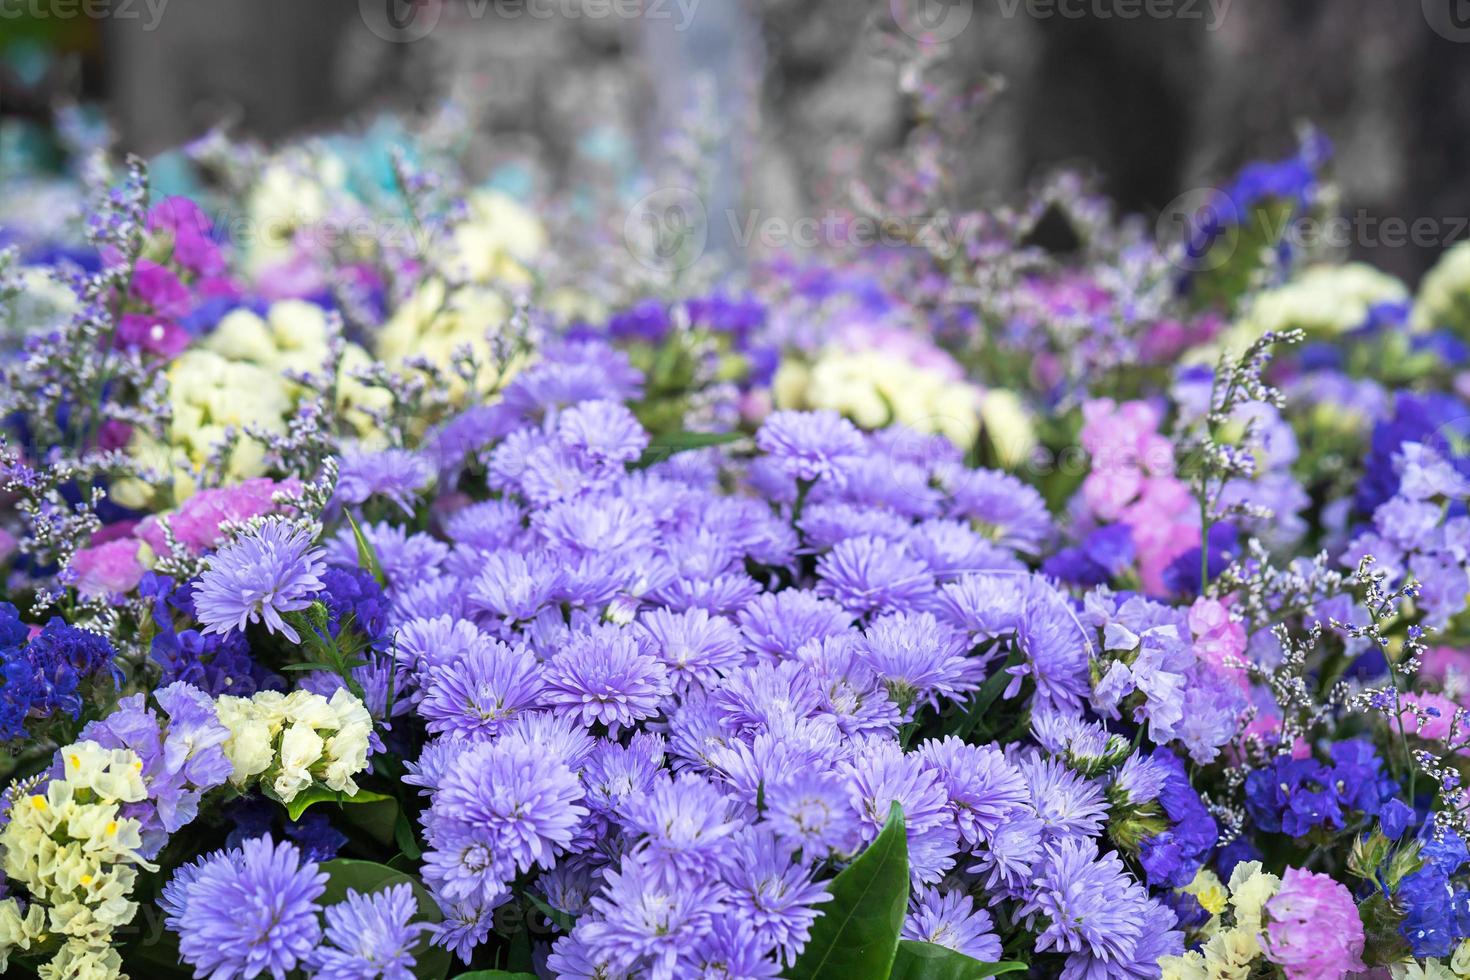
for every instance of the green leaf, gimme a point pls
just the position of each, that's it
(310, 665)
(669, 443)
(926, 961)
(317, 793)
(367, 877)
(985, 697)
(366, 556)
(856, 937)
(558, 918)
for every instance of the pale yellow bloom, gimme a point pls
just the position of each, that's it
(1250, 889)
(1444, 293)
(496, 243)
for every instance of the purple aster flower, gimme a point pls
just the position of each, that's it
(475, 693)
(952, 548)
(919, 658)
(606, 677)
(487, 525)
(397, 475)
(984, 788)
(1068, 804)
(685, 823)
(370, 936)
(810, 446)
(248, 911)
(1001, 507)
(406, 557)
(695, 647)
(616, 773)
(776, 624)
(811, 811)
(263, 573)
(596, 524)
(950, 919)
(1011, 852)
(773, 893)
(851, 691)
(551, 733)
(868, 574)
(500, 809)
(647, 917)
(825, 524)
(509, 589)
(731, 949)
(602, 432)
(765, 696)
(985, 605)
(879, 774)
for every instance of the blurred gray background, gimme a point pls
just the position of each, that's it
(1155, 96)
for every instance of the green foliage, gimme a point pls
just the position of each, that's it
(926, 961)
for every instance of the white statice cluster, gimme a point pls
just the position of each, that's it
(290, 740)
(77, 856)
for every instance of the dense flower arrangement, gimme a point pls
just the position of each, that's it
(399, 590)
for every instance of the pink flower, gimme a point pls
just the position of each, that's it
(196, 523)
(157, 286)
(1433, 728)
(1438, 662)
(108, 568)
(155, 334)
(1313, 930)
(190, 227)
(1107, 492)
(1219, 640)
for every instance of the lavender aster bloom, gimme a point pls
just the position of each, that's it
(1000, 507)
(985, 789)
(606, 677)
(647, 917)
(602, 431)
(776, 624)
(950, 919)
(811, 446)
(867, 574)
(773, 893)
(370, 936)
(695, 647)
(249, 911)
(270, 570)
(811, 811)
(476, 692)
(395, 474)
(685, 823)
(919, 658)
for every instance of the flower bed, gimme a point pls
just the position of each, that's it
(403, 585)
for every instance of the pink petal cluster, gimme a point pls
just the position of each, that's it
(196, 523)
(1132, 480)
(1313, 931)
(108, 568)
(1219, 640)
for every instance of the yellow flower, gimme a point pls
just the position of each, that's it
(1208, 890)
(495, 243)
(1230, 953)
(1444, 293)
(1250, 889)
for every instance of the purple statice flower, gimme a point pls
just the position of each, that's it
(474, 693)
(1001, 507)
(605, 676)
(867, 574)
(1092, 910)
(370, 936)
(984, 788)
(811, 812)
(919, 658)
(772, 892)
(396, 475)
(247, 911)
(602, 432)
(267, 571)
(880, 774)
(695, 647)
(1173, 857)
(811, 446)
(649, 916)
(684, 823)
(499, 809)
(950, 919)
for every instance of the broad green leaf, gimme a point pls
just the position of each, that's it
(366, 556)
(856, 937)
(367, 877)
(317, 793)
(983, 698)
(926, 961)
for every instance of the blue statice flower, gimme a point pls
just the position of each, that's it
(396, 475)
(811, 446)
(247, 911)
(370, 936)
(1106, 552)
(1292, 796)
(267, 571)
(1173, 857)
(354, 593)
(44, 676)
(1430, 418)
(950, 919)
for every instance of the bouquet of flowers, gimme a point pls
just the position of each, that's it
(405, 581)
